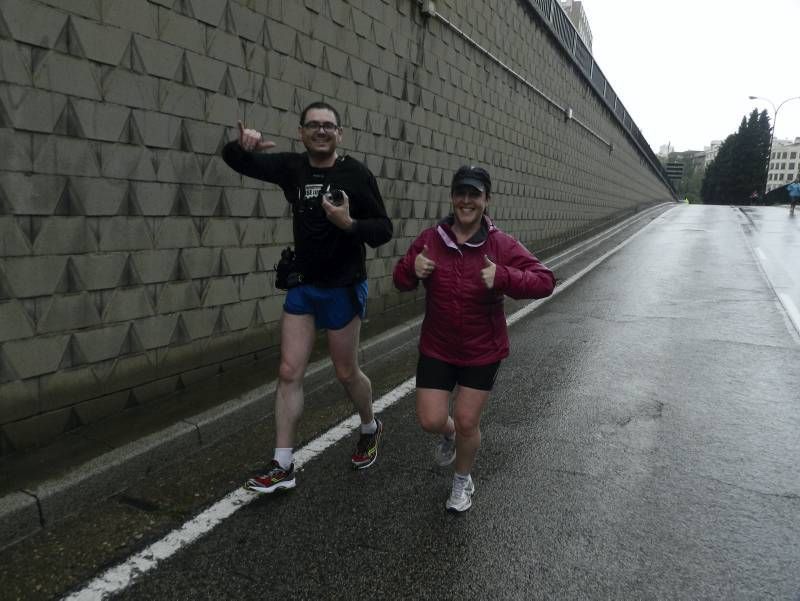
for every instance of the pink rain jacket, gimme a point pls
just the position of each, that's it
(464, 321)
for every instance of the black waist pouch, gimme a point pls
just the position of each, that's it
(286, 274)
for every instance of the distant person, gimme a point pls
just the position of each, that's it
(794, 194)
(466, 265)
(336, 209)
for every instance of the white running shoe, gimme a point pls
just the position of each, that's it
(461, 495)
(445, 451)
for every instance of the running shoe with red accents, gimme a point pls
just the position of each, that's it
(367, 448)
(276, 478)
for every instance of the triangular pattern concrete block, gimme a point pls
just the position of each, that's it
(5, 289)
(132, 345)
(68, 123)
(220, 325)
(223, 139)
(74, 421)
(200, 286)
(297, 101)
(184, 141)
(348, 70)
(31, 227)
(68, 40)
(38, 56)
(130, 204)
(129, 275)
(184, 74)
(258, 318)
(223, 208)
(263, 97)
(258, 210)
(184, 7)
(30, 308)
(180, 273)
(68, 203)
(132, 57)
(6, 208)
(130, 133)
(297, 49)
(180, 335)
(132, 401)
(7, 372)
(151, 291)
(5, 118)
(225, 268)
(219, 267)
(73, 355)
(180, 206)
(325, 63)
(70, 280)
(228, 22)
(155, 161)
(226, 86)
(267, 41)
(5, 33)
(204, 161)
(102, 370)
(93, 227)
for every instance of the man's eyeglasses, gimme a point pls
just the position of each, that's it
(311, 126)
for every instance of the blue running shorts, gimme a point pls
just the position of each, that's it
(332, 308)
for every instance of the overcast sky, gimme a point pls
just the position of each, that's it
(684, 68)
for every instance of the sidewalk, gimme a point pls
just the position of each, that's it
(40, 488)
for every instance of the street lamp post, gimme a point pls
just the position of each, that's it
(772, 130)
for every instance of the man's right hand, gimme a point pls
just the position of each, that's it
(250, 140)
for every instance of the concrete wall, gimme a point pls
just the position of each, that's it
(134, 263)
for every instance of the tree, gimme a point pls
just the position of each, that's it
(740, 166)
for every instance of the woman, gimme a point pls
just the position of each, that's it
(467, 265)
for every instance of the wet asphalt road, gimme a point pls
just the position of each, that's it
(642, 442)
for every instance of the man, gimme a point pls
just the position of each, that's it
(336, 209)
(794, 194)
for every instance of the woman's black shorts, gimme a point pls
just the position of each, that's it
(433, 373)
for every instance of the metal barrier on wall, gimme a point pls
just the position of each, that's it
(551, 13)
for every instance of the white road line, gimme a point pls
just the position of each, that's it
(121, 576)
(791, 309)
(792, 313)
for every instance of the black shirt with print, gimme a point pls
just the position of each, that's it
(326, 255)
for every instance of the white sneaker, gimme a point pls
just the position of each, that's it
(461, 495)
(445, 451)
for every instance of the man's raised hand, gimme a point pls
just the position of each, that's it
(423, 266)
(250, 140)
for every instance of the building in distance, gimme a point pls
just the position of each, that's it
(580, 21)
(784, 163)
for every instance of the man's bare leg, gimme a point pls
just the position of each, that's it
(297, 341)
(343, 345)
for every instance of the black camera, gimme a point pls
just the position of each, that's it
(286, 274)
(336, 196)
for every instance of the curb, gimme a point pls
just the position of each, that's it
(25, 512)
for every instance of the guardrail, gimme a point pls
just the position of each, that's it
(557, 21)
